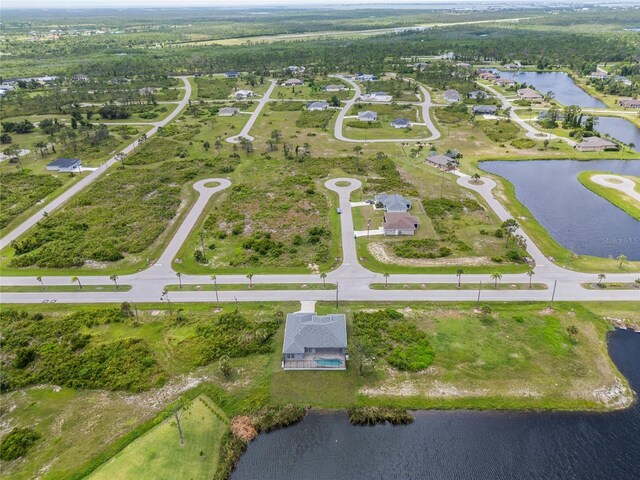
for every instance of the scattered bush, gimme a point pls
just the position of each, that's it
(376, 415)
(523, 143)
(17, 442)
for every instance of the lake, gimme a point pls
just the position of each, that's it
(621, 129)
(567, 92)
(460, 445)
(575, 217)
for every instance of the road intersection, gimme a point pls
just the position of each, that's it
(352, 278)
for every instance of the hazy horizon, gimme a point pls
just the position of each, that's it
(120, 4)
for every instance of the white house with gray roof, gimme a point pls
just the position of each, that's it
(315, 342)
(317, 106)
(367, 116)
(393, 203)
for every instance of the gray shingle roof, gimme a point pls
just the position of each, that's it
(64, 162)
(308, 330)
(393, 203)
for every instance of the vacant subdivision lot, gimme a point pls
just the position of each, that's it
(424, 355)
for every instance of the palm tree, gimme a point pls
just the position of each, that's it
(530, 274)
(323, 276)
(459, 273)
(165, 296)
(496, 276)
(215, 286)
(621, 258)
(114, 279)
(250, 277)
(631, 146)
(386, 280)
(40, 280)
(601, 276)
(76, 279)
(179, 275)
(475, 177)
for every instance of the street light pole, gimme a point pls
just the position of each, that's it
(553, 294)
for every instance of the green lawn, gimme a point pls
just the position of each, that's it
(158, 453)
(620, 199)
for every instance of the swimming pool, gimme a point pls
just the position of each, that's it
(328, 362)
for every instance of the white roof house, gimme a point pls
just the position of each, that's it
(366, 77)
(367, 116)
(243, 93)
(317, 106)
(376, 97)
(292, 82)
(228, 111)
(401, 123)
(334, 88)
(65, 165)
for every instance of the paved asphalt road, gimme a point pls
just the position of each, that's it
(352, 278)
(425, 105)
(93, 176)
(617, 182)
(254, 116)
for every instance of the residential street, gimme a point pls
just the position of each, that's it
(254, 116)
(93, 176)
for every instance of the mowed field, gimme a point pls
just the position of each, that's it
(159, 455)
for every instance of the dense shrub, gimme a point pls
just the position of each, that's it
(420, 248)
(233, 335)
(451, 114)
(20, 191)
(39, 349)
(499, 130)
(17, 442)
(215, 88)
(523, 143)
(444, 207)
(387, 334)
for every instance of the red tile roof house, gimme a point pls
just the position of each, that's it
(400, 223)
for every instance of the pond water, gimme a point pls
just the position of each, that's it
(621, 129)
(460, 444)
(567, 92)
(575, 217)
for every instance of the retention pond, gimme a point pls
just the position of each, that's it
(460, 445)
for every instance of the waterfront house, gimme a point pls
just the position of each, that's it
(529, 94)
(629, 103)
(401, 123)
(317, 106)
(228, 112)
(367, 116)
(451, 96)
(65, 165)
(315, 342)
(399, 223)
(488, 76)
(443, 162)
(596, 144)
(392, 203)
(504, 82)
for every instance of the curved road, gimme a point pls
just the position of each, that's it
(254, 116)
(93, 176)
(352, 278)
(617, 182)
(425, 104)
